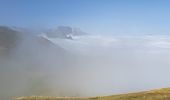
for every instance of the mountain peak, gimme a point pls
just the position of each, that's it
(64, 32)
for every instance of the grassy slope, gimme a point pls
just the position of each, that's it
(159, 94)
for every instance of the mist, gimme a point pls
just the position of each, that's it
(87, 65)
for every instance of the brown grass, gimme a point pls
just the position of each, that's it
(158, 94)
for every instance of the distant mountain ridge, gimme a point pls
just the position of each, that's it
(9, 36)
(64, 32)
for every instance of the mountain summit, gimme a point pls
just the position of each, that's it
(64, 32)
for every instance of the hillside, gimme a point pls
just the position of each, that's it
(158, 94)
(26, 57)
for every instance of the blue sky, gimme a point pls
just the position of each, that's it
(93, 16)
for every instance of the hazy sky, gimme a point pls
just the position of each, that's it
(94, 16)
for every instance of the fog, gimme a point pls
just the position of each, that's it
(87, 65)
